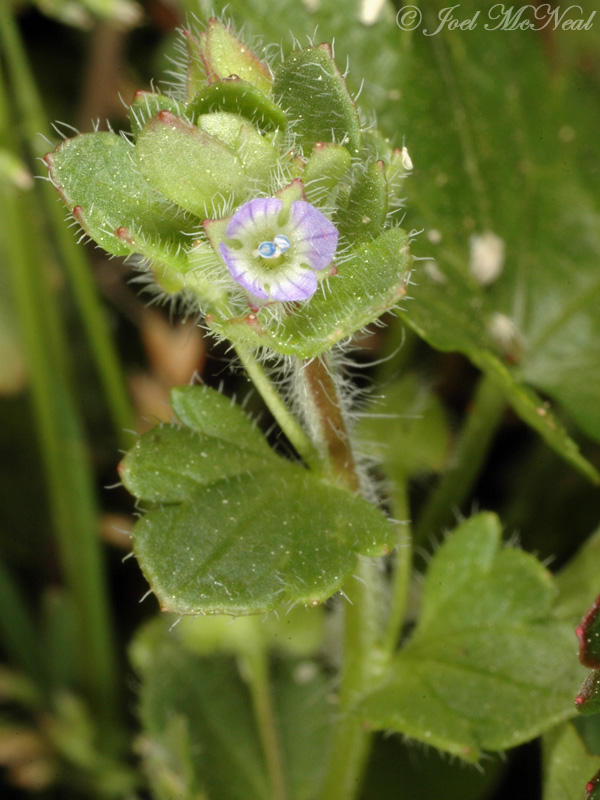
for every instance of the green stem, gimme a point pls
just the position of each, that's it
(283, 416)
(402, 569)
(72, 256)
(471, 449)
(256, 669)
(351, 742)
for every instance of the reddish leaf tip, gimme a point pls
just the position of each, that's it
(78, 213)
(48, 159)
(167, 117)
(123, 233)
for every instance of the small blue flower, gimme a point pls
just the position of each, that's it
(275, 253)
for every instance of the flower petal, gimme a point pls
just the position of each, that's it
(237, 264)
(253, 215)
(296, 285)
(315, 237)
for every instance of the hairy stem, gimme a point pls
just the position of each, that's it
(350, 744)
(472, 447)
(325, 412)
(256, 669)
(284, 417)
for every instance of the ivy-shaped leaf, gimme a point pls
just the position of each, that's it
(487, 666)
(232, 527)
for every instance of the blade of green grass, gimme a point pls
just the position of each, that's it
(34, 122)
(17, 631)
(62, 446)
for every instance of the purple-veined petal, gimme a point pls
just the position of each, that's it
(315, 237)
(253, 215)
(296, 285)
(237, 265)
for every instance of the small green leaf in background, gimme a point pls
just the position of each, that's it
(406, 430)
(487, 666)
(232, 527)
(578, 582)
(524, 178)
(198, 733)
(567, 765)
(198, 730)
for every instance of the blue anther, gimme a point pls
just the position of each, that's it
(267, 250)
(281, 242)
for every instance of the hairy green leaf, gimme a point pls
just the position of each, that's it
(487, 666)
(188, 165)
(234, 528)
(239, 97)
(310, 87)
(97, 178)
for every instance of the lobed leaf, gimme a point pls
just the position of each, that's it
(487, 666)
(234, 528)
